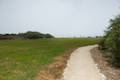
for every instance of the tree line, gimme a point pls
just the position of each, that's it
(26, 35)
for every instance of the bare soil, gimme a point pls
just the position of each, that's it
(54, 70)
(106, 68)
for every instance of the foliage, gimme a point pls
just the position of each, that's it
(33, 35)
(111, 40)
(48, 36)
(26, 35)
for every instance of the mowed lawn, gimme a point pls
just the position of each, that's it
(23, 59)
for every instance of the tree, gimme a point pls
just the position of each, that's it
(33, 35)
(26, 35)
(49, 36)
(112, 40)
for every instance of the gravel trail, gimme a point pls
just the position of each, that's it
(81, 66)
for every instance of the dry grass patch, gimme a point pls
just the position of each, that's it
(54, 71)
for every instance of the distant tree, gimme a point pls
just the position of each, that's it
(6, 37)
(33, 35)
(26, 35)
(48, 36)
(20, 35)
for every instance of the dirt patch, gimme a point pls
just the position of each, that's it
(106, 68)
(54, 70)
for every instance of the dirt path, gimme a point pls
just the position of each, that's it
(81, 66)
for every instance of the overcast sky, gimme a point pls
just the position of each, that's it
(62, 18)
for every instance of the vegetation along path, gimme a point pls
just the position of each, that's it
(81, 66)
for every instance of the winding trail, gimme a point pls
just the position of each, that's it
(81, 66)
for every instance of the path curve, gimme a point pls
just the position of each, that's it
(81, 66)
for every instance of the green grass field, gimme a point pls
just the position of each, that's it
(23, 59)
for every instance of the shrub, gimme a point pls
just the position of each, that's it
(33, 35)
(48, 36)
(36, 35)
(111, 40)
(26, 35)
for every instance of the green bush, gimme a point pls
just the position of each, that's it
(111, 40)
(34, 35)
(48, 36)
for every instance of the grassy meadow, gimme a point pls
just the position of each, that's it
(23, 59)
